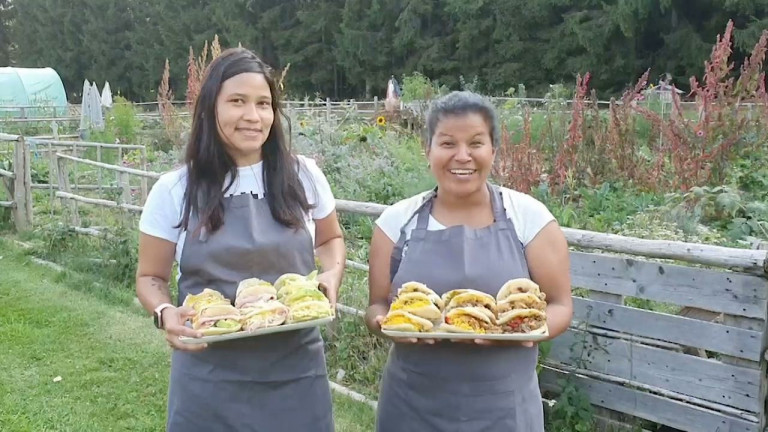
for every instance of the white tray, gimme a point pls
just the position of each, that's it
(446, 335)
(263, 331)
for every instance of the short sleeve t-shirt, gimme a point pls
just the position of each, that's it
(528, 215)
(164, 205)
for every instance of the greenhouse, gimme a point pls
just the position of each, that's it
(31, 93)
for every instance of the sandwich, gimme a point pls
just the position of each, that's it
(205, 298)
(469, 320)
(520, 301)
(253, 291)
(403, 321)
(416, 303)
(529, 321)
(306, 303)
(520, 286)
(449, 295)
(290, 282)
(417, 287)
(216, 319)
(482, 302)
(263, 314)
(292, 278)
(309, 310)
(521, 307)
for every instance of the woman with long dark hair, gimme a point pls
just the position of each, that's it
(242, 206)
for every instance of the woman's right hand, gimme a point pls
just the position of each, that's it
(174, 319)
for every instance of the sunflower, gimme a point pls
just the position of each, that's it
(303, 124)
(381, 121)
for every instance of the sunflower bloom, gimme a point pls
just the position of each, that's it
(381, 121)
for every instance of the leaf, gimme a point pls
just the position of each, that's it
(729, 202)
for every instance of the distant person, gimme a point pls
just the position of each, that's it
(241, 207)
(466, 233)
(392, 102)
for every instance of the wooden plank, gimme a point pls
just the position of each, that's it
(717, 256)
(648, 406)
(9, 204)
(124, 183)
(111, 167)
(63, 174)
(720, 338)
(733, 293)
(694, 376)
(97, 201)
(73, 187)
(20, 197)
(85, 144)
(744, 323)
(4, 173)
(606, 297)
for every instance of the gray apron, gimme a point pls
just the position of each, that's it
(454, 386)
(253, 384)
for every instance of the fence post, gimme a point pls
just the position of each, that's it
(375, 105)
(22, 187)
(327, 109)
(64, 187)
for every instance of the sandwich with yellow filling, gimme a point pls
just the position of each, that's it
(468, 320)
(417, 287)
(306, 304)
(403, 321)
(469, 298)
(290, 282)
(416, 303)
(206, 297)
(449, 295)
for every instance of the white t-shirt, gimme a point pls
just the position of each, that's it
(528, 214)
(164, 206)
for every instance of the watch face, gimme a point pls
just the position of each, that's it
(156, 319)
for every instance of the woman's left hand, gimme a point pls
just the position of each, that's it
(329, 284)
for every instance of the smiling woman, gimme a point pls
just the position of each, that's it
(242, 207)
(466, 233)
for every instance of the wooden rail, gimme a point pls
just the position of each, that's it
(147, 174)
(98, 201)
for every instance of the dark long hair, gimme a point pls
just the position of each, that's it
(208, 162)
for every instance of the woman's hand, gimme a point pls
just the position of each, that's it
(329, 284)
(174, 319)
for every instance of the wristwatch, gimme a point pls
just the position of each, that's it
(158, 318)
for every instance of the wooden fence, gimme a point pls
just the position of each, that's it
(18, 183)
(666, 331)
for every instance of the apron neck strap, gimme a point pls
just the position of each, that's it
(422, 221)
(499, 213)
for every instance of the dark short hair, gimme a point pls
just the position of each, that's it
(461, 103)
(208, 162)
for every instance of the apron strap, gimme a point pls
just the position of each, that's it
(497, 205)
(402, 241)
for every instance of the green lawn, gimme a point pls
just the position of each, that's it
(112, 364)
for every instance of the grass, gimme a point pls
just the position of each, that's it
(112, 363)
